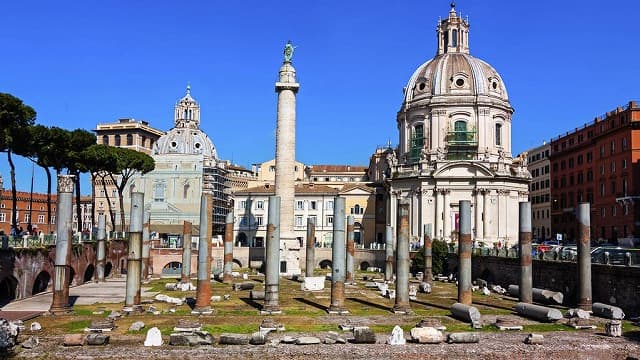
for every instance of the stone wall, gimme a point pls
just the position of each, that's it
(615, 285)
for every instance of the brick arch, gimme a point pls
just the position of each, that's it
(325, 264)
(237, 262)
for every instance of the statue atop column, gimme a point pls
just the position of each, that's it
(288, 51)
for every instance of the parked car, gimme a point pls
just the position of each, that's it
(569, 253)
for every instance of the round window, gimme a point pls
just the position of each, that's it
(460, 82)
(494, 85)
(422, 86)
(174, 144)
(197, 145)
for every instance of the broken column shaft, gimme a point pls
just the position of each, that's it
(402, 305)
(203, 291)
(538, 312)
(338, 258)
(526, 280)
(464, 254)
(134, 257)
(584, 257)
(428, 256)
(146, 245)
(64, 239)
(351, 250)
(186, 252)
(227, 278)
(388, 240)
(272, 274)
(101, 252)
(311, 247)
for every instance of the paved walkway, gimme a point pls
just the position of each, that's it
(111, 291)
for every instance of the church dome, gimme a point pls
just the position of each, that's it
(186, 137)
(454, 74)
(186, 141)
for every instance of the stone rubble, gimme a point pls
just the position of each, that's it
(154, 337)
(8, 335)
(397, 336)
(426, 335)
(136, 326)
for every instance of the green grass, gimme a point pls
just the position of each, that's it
(230, 328)
(77, 326)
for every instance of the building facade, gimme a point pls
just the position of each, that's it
(540, 191)
(455, 144)
(128, 133)
(598, 164)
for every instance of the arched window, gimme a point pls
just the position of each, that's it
(417, 142)
(454, 38)
(498, 134)
(460, 130)
(185, 191)
(105, 139)
(129, 139)
(117, 140)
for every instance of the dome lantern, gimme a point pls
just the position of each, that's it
(453, 33)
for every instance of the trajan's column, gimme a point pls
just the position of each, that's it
(287, 87)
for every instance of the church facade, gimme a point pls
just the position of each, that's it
(186, 166)
(455, 144)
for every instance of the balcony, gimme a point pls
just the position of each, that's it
(459, 138)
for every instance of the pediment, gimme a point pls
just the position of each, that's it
(463, 169)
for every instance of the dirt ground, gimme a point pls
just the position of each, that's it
(304, 313)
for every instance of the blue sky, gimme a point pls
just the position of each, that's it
(80, 63)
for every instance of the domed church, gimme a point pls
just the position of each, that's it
(186, 165)
(454, 128)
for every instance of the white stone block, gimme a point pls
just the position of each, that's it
(313, 283)
(154, 337)
(397, 336)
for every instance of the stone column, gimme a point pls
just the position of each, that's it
(272, 274)
(485, 213)
(351, 250)
(146, 245)
(311, 247)
(402, 305)
(428, 255)
(338, 259)
(287, 87)
(186, 252)
(439, 234)
(446, 213)
(388, 271)
(584, 257)
(227, 278)
(64, 239)
(203, 291)
(526, 274)
(134, 258)
(102, 248)
(464, 254)
(478, 213)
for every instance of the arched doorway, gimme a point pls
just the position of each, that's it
(8, 290)
(325, 264)
(364, 266)
(41, 283)
(72, 274)
(236, 264)
(242, 239)
(358, 233)
(107, 269)
(88, 273)
(173, 268)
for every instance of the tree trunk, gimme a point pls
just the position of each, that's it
(106, 195)
(14, 195)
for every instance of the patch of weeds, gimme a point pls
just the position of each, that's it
(311, 327)
(230, 328)
(547, 327)
(76, 326)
